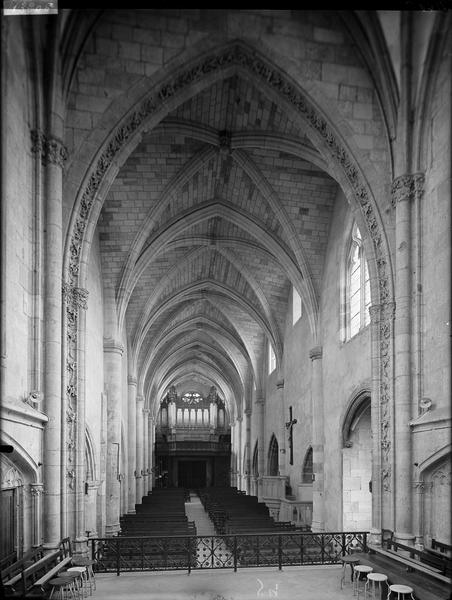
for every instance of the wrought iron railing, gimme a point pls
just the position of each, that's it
(121, 554)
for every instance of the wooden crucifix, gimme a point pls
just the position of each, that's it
(289, 427)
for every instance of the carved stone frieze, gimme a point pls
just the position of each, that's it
(75, 298)
(51, 150)
(386, 325)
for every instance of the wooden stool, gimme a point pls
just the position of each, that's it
(400, 590)
(374, 579)
(88, 563)
(83, 579)
(62, 587)
(348, 560)
(357, 572)
(73, 582)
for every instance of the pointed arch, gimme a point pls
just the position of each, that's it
(273, 457)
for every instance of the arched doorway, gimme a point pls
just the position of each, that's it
(436, 488)
(357, 466)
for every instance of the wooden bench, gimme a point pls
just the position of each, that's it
(39, 587)
(22, 583)
(436, 562)
(17, 566)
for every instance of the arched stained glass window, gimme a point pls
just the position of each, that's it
(357, 287)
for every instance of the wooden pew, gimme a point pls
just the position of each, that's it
(22, 584)
(14, 568)
(40, 586)
(436, 562)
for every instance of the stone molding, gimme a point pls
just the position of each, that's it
(375, 313)
(74, 299)
(50, 149)
(407, 187)
(280, 384)
(112, 345)
(316, 353)
(131, 380)
(248, 412)
(387, 313)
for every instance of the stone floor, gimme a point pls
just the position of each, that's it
(292, 583)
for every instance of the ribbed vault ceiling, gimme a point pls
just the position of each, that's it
(215, 214)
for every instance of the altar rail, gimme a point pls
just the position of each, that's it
(123, 554)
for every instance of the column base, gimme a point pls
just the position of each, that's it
(404, 538)
(375, 537)
(112, 530)
(80, 547)
(132, 511)
(317, 527)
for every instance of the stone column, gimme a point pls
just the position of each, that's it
(233, 457)
(139, 451)
(113, 351)
(282, 428)
(150, 451)
(131, 441)
(239, 453)
(418, 514)
(53, 155)
(375, 532)
(152, 421)
(145, 451)
(318, 436)
(248, 445)
(260, 405)
(91, 508)
(404, 190)
(36, 490)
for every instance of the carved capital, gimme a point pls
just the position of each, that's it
(280, 384)
(418, 486)
(51, 150)
(131, 380)
(36, 489)
(316, 353)
(407, 187)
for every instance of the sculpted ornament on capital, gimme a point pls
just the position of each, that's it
(407, 187)
(51, 149)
